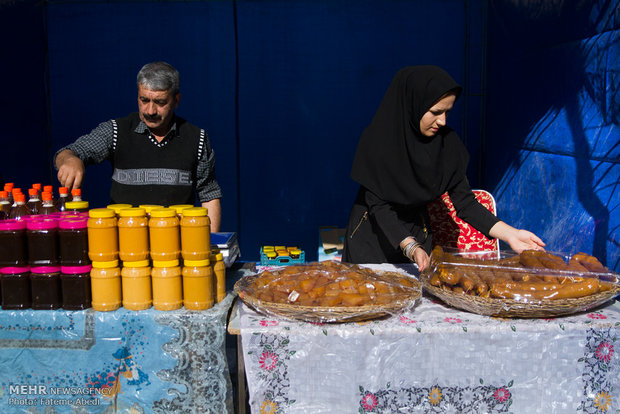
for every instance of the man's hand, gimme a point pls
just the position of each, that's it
(70, 169)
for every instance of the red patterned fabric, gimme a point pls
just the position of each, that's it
(452, 232)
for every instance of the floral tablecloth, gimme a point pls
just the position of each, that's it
(434, 359)
(115, 362)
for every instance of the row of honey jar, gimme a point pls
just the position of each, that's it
(106, 234)
(106, 286)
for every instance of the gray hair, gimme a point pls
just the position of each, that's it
(159, 76)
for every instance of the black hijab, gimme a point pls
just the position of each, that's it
(393, 159)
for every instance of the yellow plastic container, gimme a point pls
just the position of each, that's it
(76, 206)
(105, 284)
(219, 270)
(195, 234)
(137, 289)
(149, 207)
(198, 285)
(102, 235)
(118, 207)
(180, 207)
(164, 235)
(167, 285)
(133, 235)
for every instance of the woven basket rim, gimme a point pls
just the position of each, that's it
(332, 313)
(514, 308)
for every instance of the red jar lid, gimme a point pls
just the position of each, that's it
(14, 270)
(12, 224)
(42, 224)
(75, 270)
(45, 269)
(74, 223)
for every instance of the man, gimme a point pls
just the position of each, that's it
(157, 157)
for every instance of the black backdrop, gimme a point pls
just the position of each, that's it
(284, 89)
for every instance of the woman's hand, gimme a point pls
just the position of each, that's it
(525, 240)
(417, 254)
(421, 258)
(518, 239)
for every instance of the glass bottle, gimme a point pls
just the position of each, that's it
(76, 194)
(63, 197)
(19, 209)
(47, 203)
(5, 205)
(34, 201)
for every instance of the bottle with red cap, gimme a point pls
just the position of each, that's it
(48, 189)
(5, 205)
(76, 194)
(63, 197)
(47, 203)
(15, 190)
(19, 209)
(8, 187)
(34, 201)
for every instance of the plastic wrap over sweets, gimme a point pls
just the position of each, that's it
(330, 291)
(531, 284)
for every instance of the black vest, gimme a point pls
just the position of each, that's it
(147, 172)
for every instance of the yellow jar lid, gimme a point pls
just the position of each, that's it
(76, 205)
(149, 207)
(282, 252)
(194, 212)
(279, 248)
(292, 248)
(196, 263)
(132, 212)
(216, 257)
(163, 212)
(101, 213)
(180, 207)
(105, 265)
(295, 251)
(271, 255)
(118, 207)
(268, 249)
(165, 263)
(137, 263)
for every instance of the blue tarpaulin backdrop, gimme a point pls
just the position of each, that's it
(285, 88)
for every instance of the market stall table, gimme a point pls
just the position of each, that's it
(433, 359)
(122, 361)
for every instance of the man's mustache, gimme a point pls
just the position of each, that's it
(151, 118)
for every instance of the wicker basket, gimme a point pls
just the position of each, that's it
(337, 314)
(508, 308)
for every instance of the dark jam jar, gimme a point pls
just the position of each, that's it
(75, 282)
(15, 282)
(42, 236)
(13, 250)
(45, 287)
(73, 242)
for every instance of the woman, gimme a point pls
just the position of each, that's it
(406, 158)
